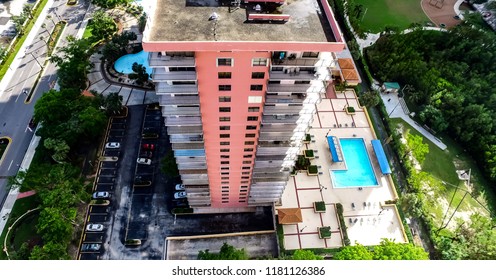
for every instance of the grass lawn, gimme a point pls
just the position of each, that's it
(443, 165)
(381, 13)
(20, 207)
(87, 32)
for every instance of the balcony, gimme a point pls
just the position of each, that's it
(270, 157)
(293, 74)
(267, 151)
(186, 160)
(185, 138)
(158, 60)
(285, 99)
(180, 111)
(274, 136)
(196, 171)
(294, 88)
(282, 110)
(264, 164)
(159, 74)
(194, 181)
(180, 121)
(278, 128)
(263, 175)
(179, 100)
(266, 170)
(164, 88)
(298, 62)
(187, 146)
(274, 144)
(184, 130)
(271, 119)
(192, 166)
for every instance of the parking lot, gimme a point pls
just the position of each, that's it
(141, 196)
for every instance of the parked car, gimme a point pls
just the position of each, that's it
(179, 187)
(113, 145)
(181, 203)
(94, 227)
(146, 154)
(145, 161)
(178, 195)
(90, 247)
(101, 195)
(150, 147)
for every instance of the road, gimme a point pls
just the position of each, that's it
(15, 112)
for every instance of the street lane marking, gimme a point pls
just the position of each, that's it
(10, 164)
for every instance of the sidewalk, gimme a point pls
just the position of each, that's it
(395, 109)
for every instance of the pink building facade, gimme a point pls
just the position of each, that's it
(238, 96)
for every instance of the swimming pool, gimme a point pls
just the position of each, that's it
(359, 172)
(125, 63)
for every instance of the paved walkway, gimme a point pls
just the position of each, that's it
(396, 109)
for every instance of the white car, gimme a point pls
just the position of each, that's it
(94, 227)
(179, 187)
(179, 195)
(146, 161)
(113, 145)
(100, 195)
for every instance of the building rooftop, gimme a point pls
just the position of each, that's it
(193, 20)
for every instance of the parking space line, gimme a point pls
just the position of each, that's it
(84, 237)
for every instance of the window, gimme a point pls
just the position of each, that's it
(224, 119)
(252, 119)
(244, 187)
(244, 182)
(259, 62)
(224, 182)
(241, 200)
(225, 201)
(224, 98)
(245, 168)
(243, 191)
(224, 191)
(310, 54)
(184, 83)
(224, 156)
(251, 127)
(253, 109)
(258, 75)
(277, 69)
(227, 135)
(250, 135)
(302, 82)
(245, 177)
(225, 127)
(224, 162)
(224, 87)
(254, 99)
(245, 173)
(224, 61)
(247, 156)
(246, 162)
(254, 87)
(224, 173)
(224, 168)
(225, 143)
(248, 149)
(249, 142)
(179, 69)
(224, 178)
(224, 75)
(224, 109)
(225, 150)
(225, 187)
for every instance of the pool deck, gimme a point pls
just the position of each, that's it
(374, 221)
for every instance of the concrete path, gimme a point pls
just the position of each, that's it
(396, 108)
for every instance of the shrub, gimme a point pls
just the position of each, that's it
(313, 169)
(309, 154)
(176, 211)
(324, 232)
(319, 206)
(339, 210)
(350, 109)
(302, 163)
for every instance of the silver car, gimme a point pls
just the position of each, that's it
(94, 227)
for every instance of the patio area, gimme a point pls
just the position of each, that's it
(367, 217)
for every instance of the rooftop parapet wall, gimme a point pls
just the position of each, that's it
(311, 22)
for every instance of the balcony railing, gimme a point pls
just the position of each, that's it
(179, 100)
(159, 74)
(184, 130)
(294, 88)
(180, 111)
(171, 121)
(285, 99)
(278, 128)
(185, 139)
(298, 62)
(280, 119)
(158, 60)
(291, 74)
(282, 110)
(164, 88)
(188, 146)
(272, 150)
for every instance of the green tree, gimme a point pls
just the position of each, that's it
(102, 26)
(227, 252)
(169, 166)
(478, 237)
(388, 250)
(59, 147)
(370, 99)
(50, 251)
(305, 255)
(92, 121)
(113, 103)
(355, 252)
(110, 3)
(73, 63)
(27, 10)
(418, 148)
(139, 74)
(53, 225)
(142, 22)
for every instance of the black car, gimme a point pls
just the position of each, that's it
(91, 247)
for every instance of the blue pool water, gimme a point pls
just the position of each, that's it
(360, 172)
(125, 63)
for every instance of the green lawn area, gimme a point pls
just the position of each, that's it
(381, 13)
(87, 32)
(25, 231)
(443, 165)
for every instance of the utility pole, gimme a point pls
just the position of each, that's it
(35, 59)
